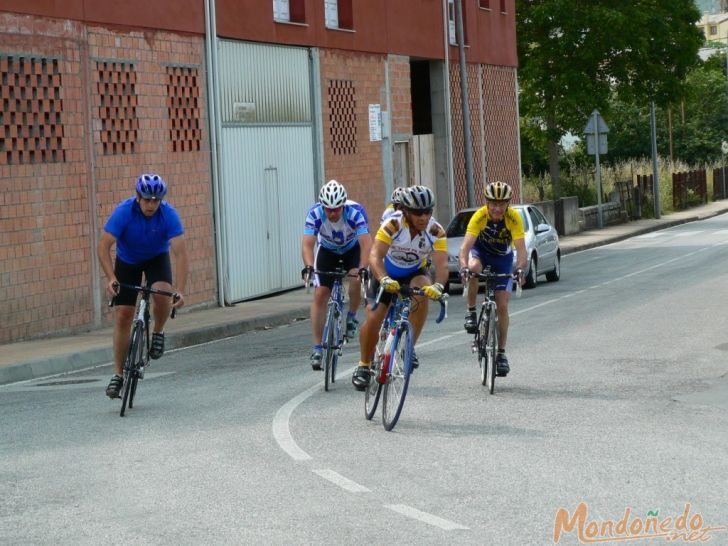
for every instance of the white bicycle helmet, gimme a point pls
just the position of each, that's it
(332, 195)
(418, 198)
(397, 196)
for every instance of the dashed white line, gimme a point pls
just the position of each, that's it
(424, 517)
(343, 482)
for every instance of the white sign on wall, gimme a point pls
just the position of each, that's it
(375, 122)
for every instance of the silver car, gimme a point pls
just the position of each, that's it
(542, 244)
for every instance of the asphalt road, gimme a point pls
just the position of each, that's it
(618, 397)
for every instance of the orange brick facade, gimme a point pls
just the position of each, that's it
(359, 168)
(88, 107)
(110, 95)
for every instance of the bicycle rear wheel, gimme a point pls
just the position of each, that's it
(133, 358)
(400, 367)
(329, 355)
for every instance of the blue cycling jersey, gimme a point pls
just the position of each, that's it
(341, 236)
(139, 238)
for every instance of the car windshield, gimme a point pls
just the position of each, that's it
(524, 217)
(459, 224)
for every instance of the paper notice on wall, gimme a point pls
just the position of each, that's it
(375, 122)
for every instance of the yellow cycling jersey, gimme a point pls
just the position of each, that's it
(496, 237)
(408, 253)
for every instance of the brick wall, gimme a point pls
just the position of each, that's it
(59, 181)
(350, 82)
(493, 127)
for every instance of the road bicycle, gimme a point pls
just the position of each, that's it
(137, 356)
(333, 339)
(392, 364)
(485, 343)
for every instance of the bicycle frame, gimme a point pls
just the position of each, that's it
(332, 342)
(136, 360)
(393, 379)
(486, 348)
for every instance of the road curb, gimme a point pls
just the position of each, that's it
(636, 233)
(90, 358)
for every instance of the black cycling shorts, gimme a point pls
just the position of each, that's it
(329, 261)
(157, 269)
(386, 297)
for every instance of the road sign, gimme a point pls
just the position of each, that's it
(724, 147)
(602, 130)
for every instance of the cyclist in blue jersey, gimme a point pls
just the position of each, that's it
(336, 229)
(144, 229)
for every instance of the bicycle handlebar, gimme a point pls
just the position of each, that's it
(146, 290)
(340, 273)
(488, 275)
(407, 291)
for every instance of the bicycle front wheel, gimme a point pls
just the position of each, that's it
(374, 389)
(395, 386)
(133, 358)
(330, 356)
(491, 350)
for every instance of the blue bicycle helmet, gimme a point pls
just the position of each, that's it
(151, 186)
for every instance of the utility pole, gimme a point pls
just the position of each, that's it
(655, 174)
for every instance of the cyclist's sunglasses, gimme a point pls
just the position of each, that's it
(337, 209)
(420, 212)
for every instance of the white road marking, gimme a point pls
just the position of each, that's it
(686, 233)
(281, 429)
(424, 517)
(337, 479)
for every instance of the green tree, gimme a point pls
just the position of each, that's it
(699, 121)
(574, 55)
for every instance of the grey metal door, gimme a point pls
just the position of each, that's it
(268, 175)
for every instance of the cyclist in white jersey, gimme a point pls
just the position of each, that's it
(336, 229)
(399, 256)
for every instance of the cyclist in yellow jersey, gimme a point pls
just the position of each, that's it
(492, 233)
(399, 256)
(395, 205)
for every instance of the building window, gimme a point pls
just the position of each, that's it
(713, 30)
(116, 102)
(342, 116)
(485, 4)
(289, 11)
(31, 130)
(503, 6)
(452, 21)
(339, 14)
(183, 109)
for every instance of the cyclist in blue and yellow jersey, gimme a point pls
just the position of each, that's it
(144, 228)
(340, 227)
(492, 233)
(399, 256)
(395, 205)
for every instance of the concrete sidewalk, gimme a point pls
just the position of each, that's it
(43, 357)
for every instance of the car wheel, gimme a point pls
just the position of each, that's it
(531, 275)
(555, 275)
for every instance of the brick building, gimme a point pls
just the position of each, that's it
(94, 93)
